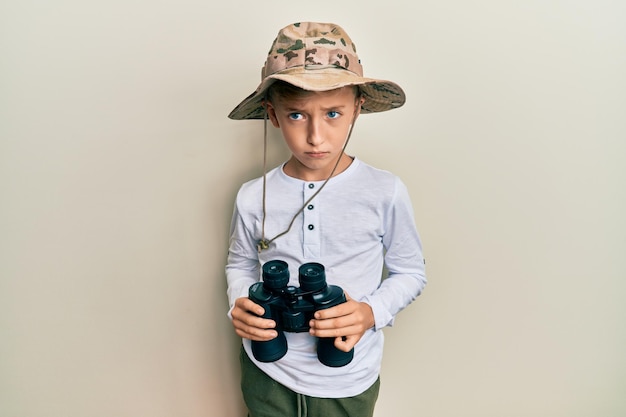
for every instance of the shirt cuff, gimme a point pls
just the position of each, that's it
(382, 317)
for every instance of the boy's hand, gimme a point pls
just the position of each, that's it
(247, 323)
(346, 322)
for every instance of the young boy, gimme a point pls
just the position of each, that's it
(327, 207)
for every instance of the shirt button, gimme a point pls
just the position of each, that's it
(310, 206)
(311, 185)
(311, 227)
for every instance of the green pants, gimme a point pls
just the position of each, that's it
(265, 397)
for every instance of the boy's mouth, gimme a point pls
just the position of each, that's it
(316, 154)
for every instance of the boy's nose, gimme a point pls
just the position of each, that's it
(314, 136)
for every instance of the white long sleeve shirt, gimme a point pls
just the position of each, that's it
(362, 219)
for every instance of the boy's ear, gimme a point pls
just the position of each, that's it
(271, 112)
(359, 103)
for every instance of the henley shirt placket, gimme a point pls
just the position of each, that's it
(311, 244)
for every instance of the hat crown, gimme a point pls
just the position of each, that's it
(317, 57)
(310, 45)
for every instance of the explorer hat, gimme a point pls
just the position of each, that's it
(318, 57)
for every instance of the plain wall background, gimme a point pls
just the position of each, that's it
(118, 169)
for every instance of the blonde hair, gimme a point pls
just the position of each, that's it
(281, 90)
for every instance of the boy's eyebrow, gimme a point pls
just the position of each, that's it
(340, 106)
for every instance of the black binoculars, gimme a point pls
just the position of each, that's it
(292, 308)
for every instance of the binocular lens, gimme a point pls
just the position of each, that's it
(275, 274)
(312, 276)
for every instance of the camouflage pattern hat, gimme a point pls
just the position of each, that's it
(318, 57)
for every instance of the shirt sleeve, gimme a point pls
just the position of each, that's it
(404, 261)
(242, 266)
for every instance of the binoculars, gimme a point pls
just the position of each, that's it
(292, 308)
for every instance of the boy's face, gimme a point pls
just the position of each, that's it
(315, 128)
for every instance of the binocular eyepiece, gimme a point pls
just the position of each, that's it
(293, 307)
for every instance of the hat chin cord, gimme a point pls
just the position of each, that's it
(265, 243)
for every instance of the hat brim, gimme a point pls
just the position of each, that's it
(379, 95)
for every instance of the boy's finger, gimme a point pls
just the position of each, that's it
(256, 334)
(334, 323)
(334, 331)
(333, 312)
(346, 343)
(253, 307)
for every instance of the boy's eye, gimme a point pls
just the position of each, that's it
(333, 114)
(295, 116)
